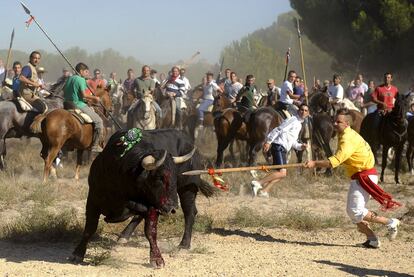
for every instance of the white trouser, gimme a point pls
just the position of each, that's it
(357, 199)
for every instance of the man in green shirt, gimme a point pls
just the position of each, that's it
(75, 98)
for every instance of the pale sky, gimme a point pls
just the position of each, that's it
(160, 31)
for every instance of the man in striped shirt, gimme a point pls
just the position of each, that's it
(175, 87)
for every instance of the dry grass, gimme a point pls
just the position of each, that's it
(299, 219)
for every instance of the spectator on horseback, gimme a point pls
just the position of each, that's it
(356, 93)
(29, 84)
(385, 95)
(175, 87)
(76, 98)
(335, 90)
(356, 155)
(246, 95)
(153, 74)
(129, 81)
(187, 85)
(273, 93)
(279, 141)
(232, 91)
(226, 80)
(210, 90)
(369, 105)
(288, 99)
(112, 80)
(61, 80)
(17, 70)
(96, 81)
(299, 89)
(144, 85)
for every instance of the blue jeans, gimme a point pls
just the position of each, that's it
(203, 108)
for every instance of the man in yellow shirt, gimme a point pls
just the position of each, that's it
(356, 155)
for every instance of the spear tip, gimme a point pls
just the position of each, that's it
(26, 9)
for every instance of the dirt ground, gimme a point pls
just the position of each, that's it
(226, 250)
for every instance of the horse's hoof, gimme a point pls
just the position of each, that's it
(75, 259)
(122, 240)
(157, 262)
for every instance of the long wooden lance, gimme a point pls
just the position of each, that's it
(221, 69)
(8, 56)
(286, 63)
(32, 18)
(212, 171)
(302, 60)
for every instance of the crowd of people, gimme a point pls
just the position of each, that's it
(353, 151)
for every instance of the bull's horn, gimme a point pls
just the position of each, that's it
(150, 163)
(181, 159)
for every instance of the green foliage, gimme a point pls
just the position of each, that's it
(379, 34)
(263, 53)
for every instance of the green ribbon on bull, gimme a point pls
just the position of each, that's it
(131, 137)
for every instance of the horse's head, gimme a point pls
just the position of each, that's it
(319, 102)
(400, 108)
(103, 94)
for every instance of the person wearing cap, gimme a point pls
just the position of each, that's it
(273, 93)
(210, 90)
(29, 83)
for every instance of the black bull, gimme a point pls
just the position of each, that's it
(121, 187)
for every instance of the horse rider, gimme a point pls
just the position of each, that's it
(273, 93)
(384, 96)
(29, 83)
(112, 80)
(187, 86)
(288, 100)
(233, 90)
(356, 155)
(96, 81)
(76, 98)
(175, 87)
(144, 85)
(210, 90)
(17, 69)
(336, 92)
(153, 75)
(280, 140)
(129, 81)
(40, 72)
(62, 79)
(245, 98)
(226, 80)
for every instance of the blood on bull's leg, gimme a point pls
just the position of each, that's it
(151, 222)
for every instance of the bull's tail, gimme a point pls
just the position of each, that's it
(36, 126)
(206, 189)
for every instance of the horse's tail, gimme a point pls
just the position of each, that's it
(36, 126)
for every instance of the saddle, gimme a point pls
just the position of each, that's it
(82, 117)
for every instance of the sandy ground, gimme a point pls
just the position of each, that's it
(226, 250)
(230, 252)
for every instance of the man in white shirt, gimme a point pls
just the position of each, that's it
(336, 91)
(210, 90)
(187, 85)
(280, 140)
(287, 98)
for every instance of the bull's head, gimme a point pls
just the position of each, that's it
(160, 179)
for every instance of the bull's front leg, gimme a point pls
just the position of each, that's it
(151, 222)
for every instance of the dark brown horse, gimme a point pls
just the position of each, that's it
(410, 148)
(389, 131)
(60, 127)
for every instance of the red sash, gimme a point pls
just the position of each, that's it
(384, 198)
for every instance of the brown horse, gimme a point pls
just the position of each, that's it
(410, 148)
(60, 128)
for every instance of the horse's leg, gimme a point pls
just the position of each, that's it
(221, 146)
(79, 159)
(397, 157)
(254, 148)
(384, 160)
(2, 152)
(129, 229)
(51, 155)
(410, 157)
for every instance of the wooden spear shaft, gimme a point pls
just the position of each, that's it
(302, 60)
(239, 169)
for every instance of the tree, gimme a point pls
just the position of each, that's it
(362, 35)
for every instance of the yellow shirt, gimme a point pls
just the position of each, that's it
(354, 152)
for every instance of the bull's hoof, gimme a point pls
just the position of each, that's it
(157, 262)
(76, 259)
(122, 240)
(184, 245)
